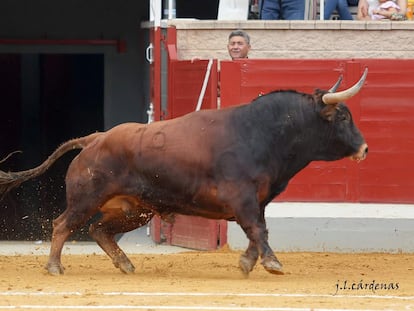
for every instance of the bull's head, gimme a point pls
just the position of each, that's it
(333, 97)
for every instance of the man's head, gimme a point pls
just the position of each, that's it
(239, 44)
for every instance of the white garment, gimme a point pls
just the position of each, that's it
(375, 5)
(372, 5)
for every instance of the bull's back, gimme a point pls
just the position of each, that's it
(175, 153)
(189, 139)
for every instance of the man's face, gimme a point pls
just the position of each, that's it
(238, 47)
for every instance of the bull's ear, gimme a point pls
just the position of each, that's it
(328, 112)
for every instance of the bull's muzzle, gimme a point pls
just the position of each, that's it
(361, 154)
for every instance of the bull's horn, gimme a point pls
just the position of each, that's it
(333, 98)
(337, 84)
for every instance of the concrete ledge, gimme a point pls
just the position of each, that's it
(188, 23)
(306, 39)
(335, 227)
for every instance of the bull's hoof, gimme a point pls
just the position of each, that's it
(272, 265)
(55, 269)
(126, 267)
(246, 264)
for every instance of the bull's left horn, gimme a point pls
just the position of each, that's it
(336, 85)
(333, 98)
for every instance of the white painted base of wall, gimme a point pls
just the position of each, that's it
(334, 227)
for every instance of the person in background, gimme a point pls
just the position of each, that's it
(238, 45)
(341, 6)
(384, 9)
(282, 9)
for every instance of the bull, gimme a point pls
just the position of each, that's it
(218, 164)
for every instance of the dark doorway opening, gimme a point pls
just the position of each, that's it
(198, 10)
(46, 100)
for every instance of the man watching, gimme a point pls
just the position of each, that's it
(239, 44)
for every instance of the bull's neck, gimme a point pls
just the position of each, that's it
(285, 141)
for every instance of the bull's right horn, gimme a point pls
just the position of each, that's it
(336, 97)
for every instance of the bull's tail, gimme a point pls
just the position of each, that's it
(11, 180)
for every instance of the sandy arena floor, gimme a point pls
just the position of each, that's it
(210, 281)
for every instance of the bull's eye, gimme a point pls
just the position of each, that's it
(345, 117)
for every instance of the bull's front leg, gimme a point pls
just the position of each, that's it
(251, 219)
(249, 258)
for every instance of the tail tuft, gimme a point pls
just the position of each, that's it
(9, 181)
(9, 155)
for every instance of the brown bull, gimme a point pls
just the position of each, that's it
(219, 164)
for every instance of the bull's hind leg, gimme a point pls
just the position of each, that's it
(59, 236)
(63, 227)
(120, 214)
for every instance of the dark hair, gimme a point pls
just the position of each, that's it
(240, 33)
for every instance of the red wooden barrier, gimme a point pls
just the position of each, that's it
(185, 81)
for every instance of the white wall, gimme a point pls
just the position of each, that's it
(334, 227)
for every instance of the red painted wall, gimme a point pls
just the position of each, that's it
(185, 83)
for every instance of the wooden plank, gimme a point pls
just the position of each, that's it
(195, 232)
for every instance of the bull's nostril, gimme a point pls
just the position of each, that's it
(366, 150)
